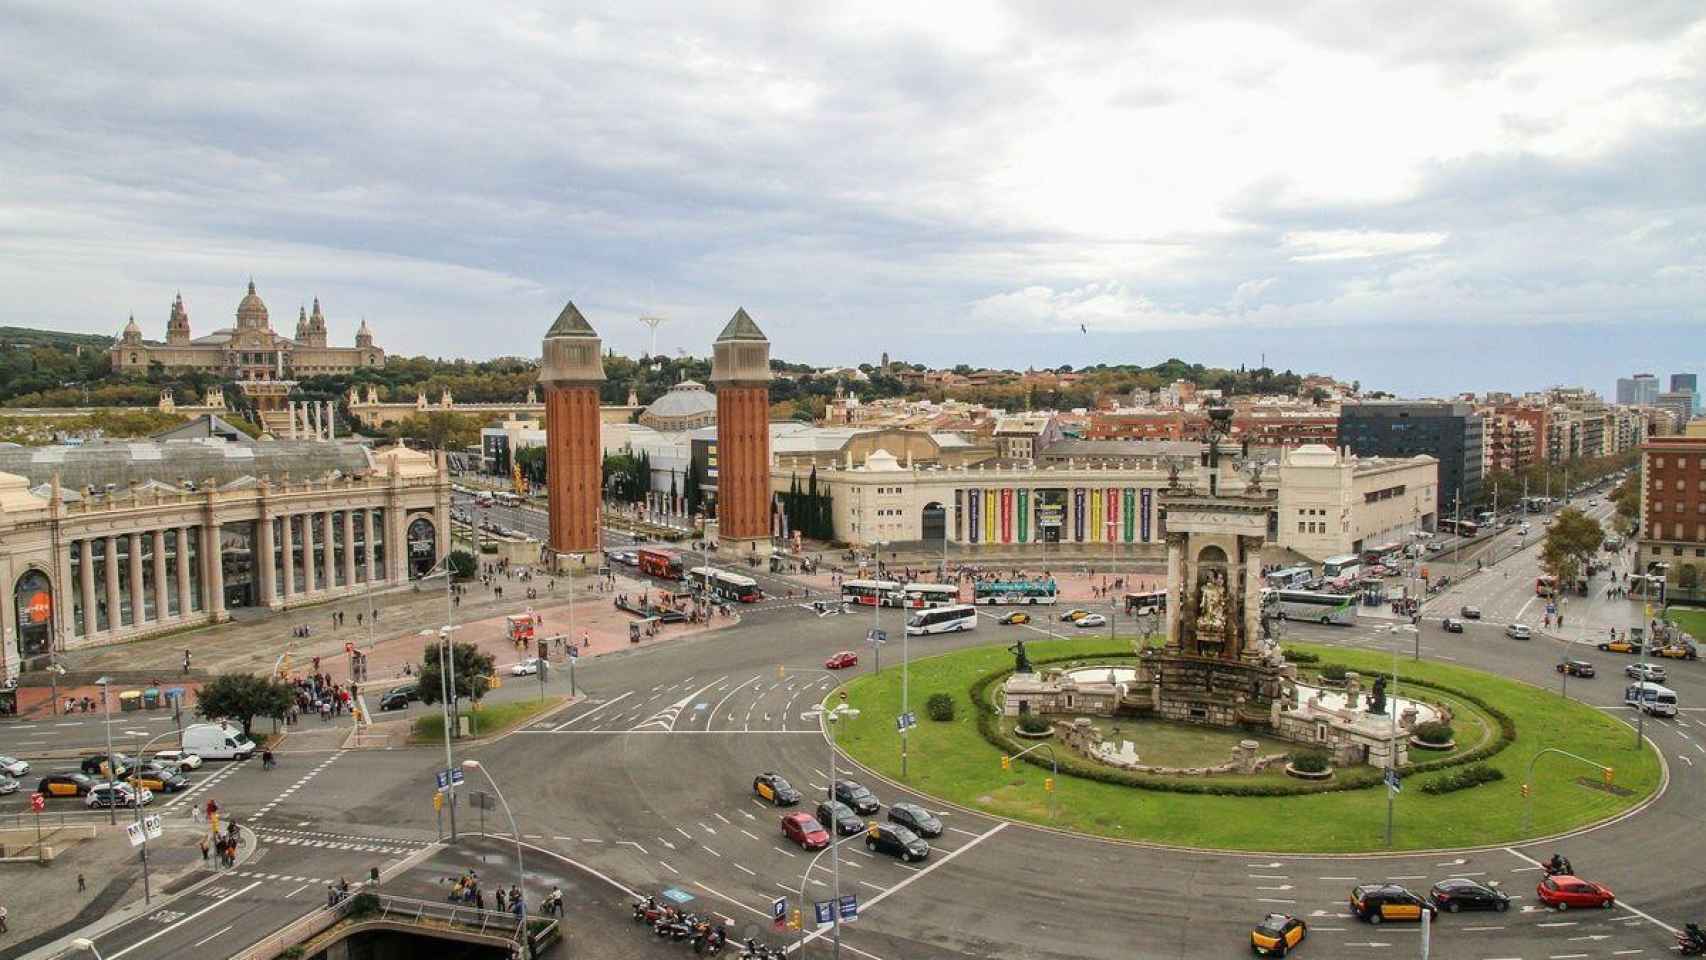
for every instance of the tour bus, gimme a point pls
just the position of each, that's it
(1462, 528)
(918, 596)
(1290, 577)
(1339, 608)
(660, 563)
(1347, 566)
(870, 592)
(1014, 591)
(724, 585)
(1386, 553)
(1655, 700)
(960, 616)
(1143, 604)
(507, 499)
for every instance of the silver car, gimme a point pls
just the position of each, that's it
(7, 785)
(13, 767)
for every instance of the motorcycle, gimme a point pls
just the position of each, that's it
(709, 941)
(647, 911)
(1558, 866)
(1691, 941)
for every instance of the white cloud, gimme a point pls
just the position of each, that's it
(1312, 245)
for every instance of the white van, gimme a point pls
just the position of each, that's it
(216, 742)
(942, 620)
(1657, 701)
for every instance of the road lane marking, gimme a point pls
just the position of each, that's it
(297, 891)
(607, 703)
(745, 870)
(214, 934)
(631, 843)
(669, 868)
(165, 930)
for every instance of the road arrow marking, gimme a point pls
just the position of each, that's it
(1283, 886)
(1460, 861)
(1265, 866)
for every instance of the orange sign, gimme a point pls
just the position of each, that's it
(39, 607)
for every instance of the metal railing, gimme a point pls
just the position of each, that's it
(426, 913)
(66, 818)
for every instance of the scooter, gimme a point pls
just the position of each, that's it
(647, 911)
(1558, 866)
(1691, 941)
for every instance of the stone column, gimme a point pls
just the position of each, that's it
(292, 408)
(115, 619)
(86, 583)
(572, 372)
(138, 603)
(268, 570)
(1250, 551)
(349, 547)
(327, 562)
(213, 554)
(1177, 587)
(162, 608)
(184, 594)
(367, 545)
(308, 579)
(288, 538)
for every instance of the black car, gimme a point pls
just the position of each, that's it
(854, 794)
(1452, 625)
(847, 823)
(1576, 668)
(96, 765)
(1470, 613)
(1454, 895)
(771, 787)
(896, 841)
(915, 818)
(399, 698)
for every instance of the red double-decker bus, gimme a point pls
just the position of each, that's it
(660, 563)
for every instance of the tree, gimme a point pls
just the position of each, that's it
(1570, 543)
(463, 565)
(242, 697)
(1688, 577)
(473, 672)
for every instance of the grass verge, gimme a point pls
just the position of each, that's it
(1691, 620)
(488, 721)
(953, 761)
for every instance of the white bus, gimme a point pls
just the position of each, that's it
(1339, 608)
(870, 592)
(1290, 577)
(960, 616)
(1143, 604)
(1657, 701)
(1348, 565)
(508, 499)
(724, 585)
(918, 596)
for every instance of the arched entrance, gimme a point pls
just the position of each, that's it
(935, 522)
(32, 603)
(423, 547)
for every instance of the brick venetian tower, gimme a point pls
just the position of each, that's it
(571, 373)
(740, 371)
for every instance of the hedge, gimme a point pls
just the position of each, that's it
(1302, 656)
(1310, 760)
(1357, 778)
(1434, 731)
(1463, 779)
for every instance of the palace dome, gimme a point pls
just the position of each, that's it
(251, 312)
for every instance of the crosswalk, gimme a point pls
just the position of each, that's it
(337, 841)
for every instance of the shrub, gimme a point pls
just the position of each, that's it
(1463, 778)
(1334, 672)
(1302, 656)
(1310, 760)
(1034, 723)
(939, 706)
(1434, 731)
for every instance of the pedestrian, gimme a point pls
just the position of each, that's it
(186, 661)
(2, 918)
(82, 884)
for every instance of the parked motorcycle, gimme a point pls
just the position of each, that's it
(1691, 941)
(647, 911)
(1557, 866)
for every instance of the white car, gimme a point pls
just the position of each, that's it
(179, 758)
(13, 767)
(1092, 620)
(7, 785)
(525, 668)
(1518, 631)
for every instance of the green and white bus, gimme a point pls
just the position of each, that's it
(1337, 608)
(1014, 591)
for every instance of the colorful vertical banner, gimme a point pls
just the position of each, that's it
(989, 516)
(1024, 515)
(1078, 514)
(974, 507)
(1130, 513)
(1144, 499)
(1113, 496)
(1006, 515)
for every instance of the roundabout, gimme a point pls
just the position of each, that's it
(960, 762)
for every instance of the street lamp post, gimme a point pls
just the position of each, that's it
(829, 718)
(112, 768)
(84, 943)
(136, 784)
(520, 873)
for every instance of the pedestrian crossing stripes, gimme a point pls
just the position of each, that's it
(334, 844)
(298, 785)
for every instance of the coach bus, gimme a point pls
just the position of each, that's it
(918, 596)
(1339, 608)
(1347, 566)
(960, 616)
(1290, 577)
(1144, 604)
(1014, 591)
(724, 585)
(1462, 528)
(870, 592)
(660, 563)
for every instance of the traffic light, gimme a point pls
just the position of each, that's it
(1525, 790)
(795, 921)
(781, 672)
(1048, 784)
(438, 799)
(1006, 762)
(1608, 775)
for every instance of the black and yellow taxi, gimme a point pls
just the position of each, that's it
(1380, 902)
(1620, 646)
(1277, 934)
(771, 788)
(1016, 617)
(158, 777)
(65, 783)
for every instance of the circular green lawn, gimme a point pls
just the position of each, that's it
(952, 761)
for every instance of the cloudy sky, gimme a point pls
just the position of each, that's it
(1427, 197)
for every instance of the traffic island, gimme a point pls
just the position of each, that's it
(955, 761)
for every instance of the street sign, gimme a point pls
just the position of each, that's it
(38, 803)
(824, 910)
(1392, 782)
(133, 831)
(448, 777)
(849, 907)
(875, 637)
(152, 827)
(906, 721)
(676, 895)
(484, 801)
(779, 912)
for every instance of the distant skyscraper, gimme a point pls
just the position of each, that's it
(1689, 382)
(1641, 390)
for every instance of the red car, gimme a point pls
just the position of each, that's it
(803, 829)
(845, 658)
(1564, 891)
